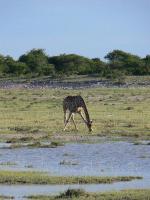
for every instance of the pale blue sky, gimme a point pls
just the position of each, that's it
(90, 28)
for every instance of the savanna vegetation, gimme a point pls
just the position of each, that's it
(37, 63)
(29, 114)
(79, 194)
(18, 177)
(3, 197)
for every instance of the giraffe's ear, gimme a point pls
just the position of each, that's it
(91, 121)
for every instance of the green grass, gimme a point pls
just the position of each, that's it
(78, 194)
(34, 144)
(16, 177)
(5, 197)
(73, 78)
(37, 113)
(8, 163)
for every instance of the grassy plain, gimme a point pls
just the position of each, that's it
(6, 197)
(18, 177)
(37, 113)
(79, 194)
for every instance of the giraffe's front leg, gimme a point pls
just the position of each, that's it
(67, 120)
(72, 117)
(82, 116)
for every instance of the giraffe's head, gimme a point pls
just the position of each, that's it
(89, 125)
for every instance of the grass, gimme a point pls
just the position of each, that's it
(37, 114)
(70, 193)
(79, 194)
(74, 78)
(2, 197)
(17, 177)
(7, 163)
(141, 143)
(16, 143)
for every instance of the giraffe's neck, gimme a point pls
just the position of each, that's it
(86, 113)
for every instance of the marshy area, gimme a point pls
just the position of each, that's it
(38, 159)
(93, 167)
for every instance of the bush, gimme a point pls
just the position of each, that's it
(117, 76)
(36, 63)
(72, 193)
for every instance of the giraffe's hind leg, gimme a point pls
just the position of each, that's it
(67, 120)
(65, 116)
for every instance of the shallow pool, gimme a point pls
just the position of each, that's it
(102, 159)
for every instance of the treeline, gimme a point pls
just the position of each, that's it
(38, 63)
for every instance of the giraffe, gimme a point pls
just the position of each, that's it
(76, 104)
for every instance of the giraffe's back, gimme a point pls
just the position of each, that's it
(72, 103)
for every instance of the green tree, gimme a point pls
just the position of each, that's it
(2, 64)
(127, 62)
(14, 67)
(146, 69)
(72, 64)
(37, 61)
(98, 66)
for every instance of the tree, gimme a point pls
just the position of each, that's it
(146, 69)
(127, 62)
(71, 64)
(14, 67)
(98, 66)
(2, 64)
(37, 61)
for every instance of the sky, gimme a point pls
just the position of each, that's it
(91, 28)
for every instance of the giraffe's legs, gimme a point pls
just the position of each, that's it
(72, 118)
(82, 116)
(67, 120)
(65, 116)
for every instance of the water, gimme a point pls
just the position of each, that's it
(108, 158)
(102, 159)
(20, 191)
